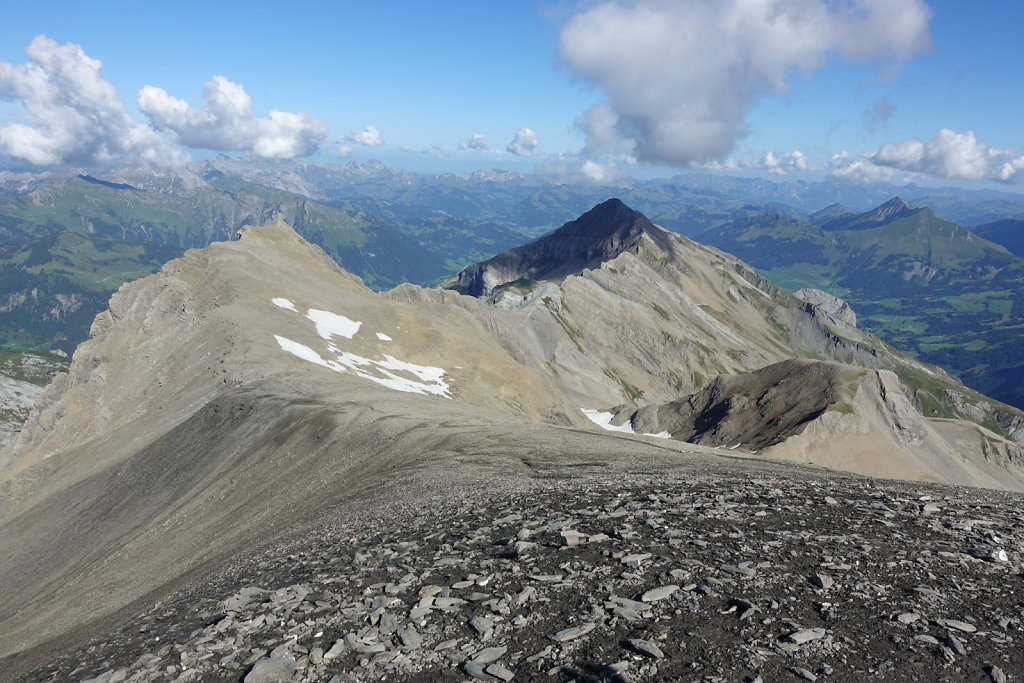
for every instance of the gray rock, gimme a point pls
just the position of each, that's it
(388, 623)
(958, 625)
(272, 670)
(410, 637)
(646, 647)
(573, 632)
(656, 594)
(996, 674)
(806, 635)
(803, 673)
(955, 645)
(822, 581)
(499, 671)
(483, 626)
(635, 560)
(490, 654)
(475, 670)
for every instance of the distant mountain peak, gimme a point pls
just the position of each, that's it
(599, 235)
(892, 210)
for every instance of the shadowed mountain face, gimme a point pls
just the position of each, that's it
(1008, 233)
(250, 389)
(599, 235)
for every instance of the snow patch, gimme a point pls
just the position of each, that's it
(329, 324)
(390, 372)
(303, 352)
(429, 380)
(604, 420)
(284, 303)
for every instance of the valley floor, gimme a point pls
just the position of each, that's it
(730, 573)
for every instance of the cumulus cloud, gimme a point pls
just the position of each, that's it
(784, 163)
(681, 76)
(73, 113)
(569, 169)
(524, 143)
(949, 155)
(227, 122)
(858, 169)
(476, 142)
(369, 137)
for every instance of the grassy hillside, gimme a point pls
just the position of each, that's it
(51, 288)
(927, 286)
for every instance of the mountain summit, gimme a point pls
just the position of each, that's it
(599, 235)
(889, 212)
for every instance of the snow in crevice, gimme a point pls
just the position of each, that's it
(383, 337)
(604, 420)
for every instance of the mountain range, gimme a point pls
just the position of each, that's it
(252, 390)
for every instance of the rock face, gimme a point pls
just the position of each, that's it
(832, 306)
(251, 388)
(832, 414)
(599, 235)
(766, 407)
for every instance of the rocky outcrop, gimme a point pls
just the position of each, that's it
(832, 306)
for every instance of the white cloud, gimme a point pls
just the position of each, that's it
(369, 136)
(74, 115)
(572, 170)
(784, 163)
(437, 149)
(227, 122)
(858, 169)
(476, 142)
(524, 143)
(681, 76)
(949, 155)
(592, 170)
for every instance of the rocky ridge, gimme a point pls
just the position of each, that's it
(739, 575)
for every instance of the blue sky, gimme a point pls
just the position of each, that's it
(606, 87)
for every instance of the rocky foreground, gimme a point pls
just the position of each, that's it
(745, 576)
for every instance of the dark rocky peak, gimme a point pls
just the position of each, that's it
(605, 224)
(599, 235)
